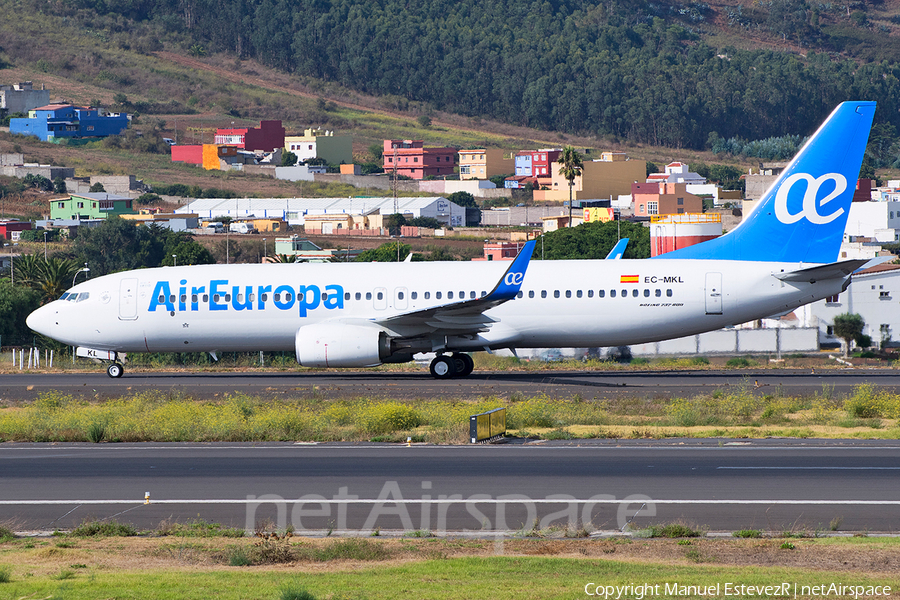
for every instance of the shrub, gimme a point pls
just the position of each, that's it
(348, 549)
(673, 530)
(238, 556)
(869, 402)
(103, 529)
(747, 533)
(96, 432)
(6, 534)
(292, 592)
(536, 412)
(737, 363)
(390, 416)
(5, 573)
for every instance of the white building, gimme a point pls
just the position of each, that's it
(873, 294)
(294, 210)
(879, 221)
(676, 172)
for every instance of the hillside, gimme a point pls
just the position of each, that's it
(651, 79)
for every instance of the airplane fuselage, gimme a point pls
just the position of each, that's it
(572, 303)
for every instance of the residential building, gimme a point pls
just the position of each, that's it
(872, 294)
(608, 177)
(10, 229)
(412, 159)
(345, 224)
(83, 207)
(484, 163)
(22, 97)
(267, 137)
(536, 163)
(664, 199)
(676, 172)
(879, 221)
(514, 216)
(315, 143)
(58, 121)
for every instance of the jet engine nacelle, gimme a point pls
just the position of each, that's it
(341, 345)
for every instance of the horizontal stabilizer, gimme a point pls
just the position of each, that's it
(837, 270)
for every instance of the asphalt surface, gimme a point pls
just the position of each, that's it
(777, 485)
(408, 385)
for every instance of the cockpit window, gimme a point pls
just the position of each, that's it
(72, 297)
(83, 296)
(64, 296)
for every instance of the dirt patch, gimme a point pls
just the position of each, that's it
(877, 557)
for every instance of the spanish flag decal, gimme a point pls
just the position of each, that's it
(630, 279)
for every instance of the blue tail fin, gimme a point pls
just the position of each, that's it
(802, 216)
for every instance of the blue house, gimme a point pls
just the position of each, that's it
(67, 121)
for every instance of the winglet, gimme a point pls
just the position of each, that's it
(511, 282)
(618, 250)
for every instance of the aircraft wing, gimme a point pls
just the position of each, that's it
(466, 317)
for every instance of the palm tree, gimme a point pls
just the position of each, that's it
(571, 168)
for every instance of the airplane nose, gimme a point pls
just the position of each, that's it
(41, 320)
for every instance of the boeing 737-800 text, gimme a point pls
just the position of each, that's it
(363, 314)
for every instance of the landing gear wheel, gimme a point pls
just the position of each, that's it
(115, 370)
(464, 364)
(443, 367)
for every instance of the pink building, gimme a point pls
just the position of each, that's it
(415, 161)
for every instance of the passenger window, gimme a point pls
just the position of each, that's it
(556, 293)
(380, 295)
(358, 296)
(324, 296)
(183, 298)
(399, 296)
(531, 293)
(462, 295)
(471, 294)
(262, 298)
(160, 300)
(288, 297)
(427, 295)
(669, 293)
(612, 293)
(624, 293)
(483, 293)
(251, 297)
(449, 295)
(578, 294)
(206, 298)
(299, 296)
(543, 293)
(368, 295)
(646, 293)
(194, 298)
(519, 295)
(634, 292)
(590, 293)
(658, 292)
(414, 295)
(346, 295)
(172, 298)
(216, 297)
(601, 293)
(228, 297)
(437, 295)
(568, 293)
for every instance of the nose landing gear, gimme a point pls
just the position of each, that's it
(115, 370)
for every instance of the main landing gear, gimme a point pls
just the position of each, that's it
(454, 365)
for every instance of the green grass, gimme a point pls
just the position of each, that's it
(103, 529)
(448, 579)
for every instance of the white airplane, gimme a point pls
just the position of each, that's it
(364, 314)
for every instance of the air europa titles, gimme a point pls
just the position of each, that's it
(223, 296)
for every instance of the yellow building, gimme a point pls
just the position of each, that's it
(609, 177)
(484, 163)
(341, 223)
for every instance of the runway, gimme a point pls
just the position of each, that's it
(410, 385)
(775, 485)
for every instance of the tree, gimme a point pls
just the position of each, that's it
(848, 327)
(464, 199)
(288, 159)
(16, 303)
(59, 185)
(594, 241)
(394, 222)
(385, 253)
(571, 165)
(97, 188)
